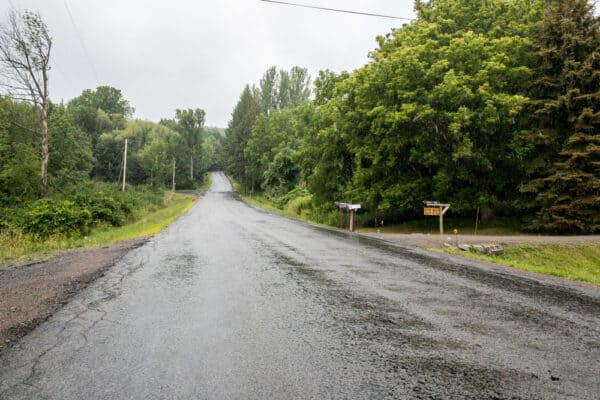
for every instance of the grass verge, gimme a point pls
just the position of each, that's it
(577, 262)
(206, 183)
(24, 247)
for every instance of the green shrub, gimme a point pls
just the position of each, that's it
(11, 218)
(4, 224)
(77, 207)
(300, 204)
(57, 217)
(139, 197)
(104, 208)
(108, 203)
(281, 201)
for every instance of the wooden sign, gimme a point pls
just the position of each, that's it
(432, 211)
(434, 208)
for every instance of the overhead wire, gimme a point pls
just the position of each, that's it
(336, 10)
(79, 37)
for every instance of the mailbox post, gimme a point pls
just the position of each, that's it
(351, 208)
(433, 208)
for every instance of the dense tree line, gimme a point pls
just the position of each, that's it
(86, 145)
(485, 104)
(47, 148)
(86, 140)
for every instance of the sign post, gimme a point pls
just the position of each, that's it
(433, 208)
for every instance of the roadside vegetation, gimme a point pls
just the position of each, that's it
(206, 183)
(44, 227)
(577, 262)
(296, 204)
(492, 106)
(62, 165)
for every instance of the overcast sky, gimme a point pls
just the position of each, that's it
(173, 54)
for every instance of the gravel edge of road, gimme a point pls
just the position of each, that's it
(581, 288)
(32, 292)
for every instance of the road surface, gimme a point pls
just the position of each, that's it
(231, 302)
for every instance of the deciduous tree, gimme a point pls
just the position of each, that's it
(25, 45)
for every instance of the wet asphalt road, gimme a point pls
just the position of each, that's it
(234, 303)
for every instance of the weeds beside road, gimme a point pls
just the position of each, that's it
(21, 247)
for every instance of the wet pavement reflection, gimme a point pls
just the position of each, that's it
(231, 302)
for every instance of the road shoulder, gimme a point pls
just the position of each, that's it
(31, 293)
(425, 243)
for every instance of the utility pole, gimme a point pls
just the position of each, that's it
(124, 164)
(173, 184)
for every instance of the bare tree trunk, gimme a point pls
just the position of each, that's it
(45, 152)
(191, 167)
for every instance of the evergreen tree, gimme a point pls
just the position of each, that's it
(238, 132)
(566, 171)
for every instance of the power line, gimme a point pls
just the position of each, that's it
(85, 52)
(336, 10)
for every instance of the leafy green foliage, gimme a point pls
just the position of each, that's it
(262, 125)
(19, 154)
(190, 124)
(467, 104)
(79, 208)
(57, 217)
(433, 116)
(96, 112)
(73, 160)
(281, 175)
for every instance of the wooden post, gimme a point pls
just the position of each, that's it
(124, 164)
(433, 208)
(348, 216)
(443, 209)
